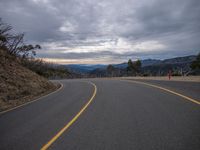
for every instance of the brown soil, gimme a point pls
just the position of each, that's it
(18, 84)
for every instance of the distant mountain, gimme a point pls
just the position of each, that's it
(178, 60)
(179, 66)
(149, 66)
(86, 68)
(83, 68)
(121, 66)
(148, 62)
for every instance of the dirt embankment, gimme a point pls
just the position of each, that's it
(18, 84)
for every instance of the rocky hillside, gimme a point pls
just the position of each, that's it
(18, 84)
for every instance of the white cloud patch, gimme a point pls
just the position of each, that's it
(113, 30)
(67, 27)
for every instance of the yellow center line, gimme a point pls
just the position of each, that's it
(170, 91)
(49, 143)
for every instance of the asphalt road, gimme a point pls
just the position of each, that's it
(191, 89)
(122, 116)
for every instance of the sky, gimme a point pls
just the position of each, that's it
(106, 31)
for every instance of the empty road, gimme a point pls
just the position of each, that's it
(105, 114)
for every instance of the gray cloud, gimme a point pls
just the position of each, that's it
(75, 29)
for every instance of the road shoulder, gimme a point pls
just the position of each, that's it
(31, 98)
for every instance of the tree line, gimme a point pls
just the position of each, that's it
(133, 68)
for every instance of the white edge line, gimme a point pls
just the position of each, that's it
(164, 89)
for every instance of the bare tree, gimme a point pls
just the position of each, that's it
(4, 33)
(14, 42)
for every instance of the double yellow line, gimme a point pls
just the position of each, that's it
(48, 144)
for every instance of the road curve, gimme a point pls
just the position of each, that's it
(122, 115)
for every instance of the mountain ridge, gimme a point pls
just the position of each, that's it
(87, 68)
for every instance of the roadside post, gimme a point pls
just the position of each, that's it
(169, 74)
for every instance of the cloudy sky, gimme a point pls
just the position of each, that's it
(106, 31)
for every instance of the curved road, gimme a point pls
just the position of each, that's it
(121, 116)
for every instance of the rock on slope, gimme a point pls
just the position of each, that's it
(18, 84)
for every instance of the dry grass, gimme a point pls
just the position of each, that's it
(18, 84)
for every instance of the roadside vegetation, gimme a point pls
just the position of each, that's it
(134, 68)
(20, 79)
(48, 70)
(195, 65)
